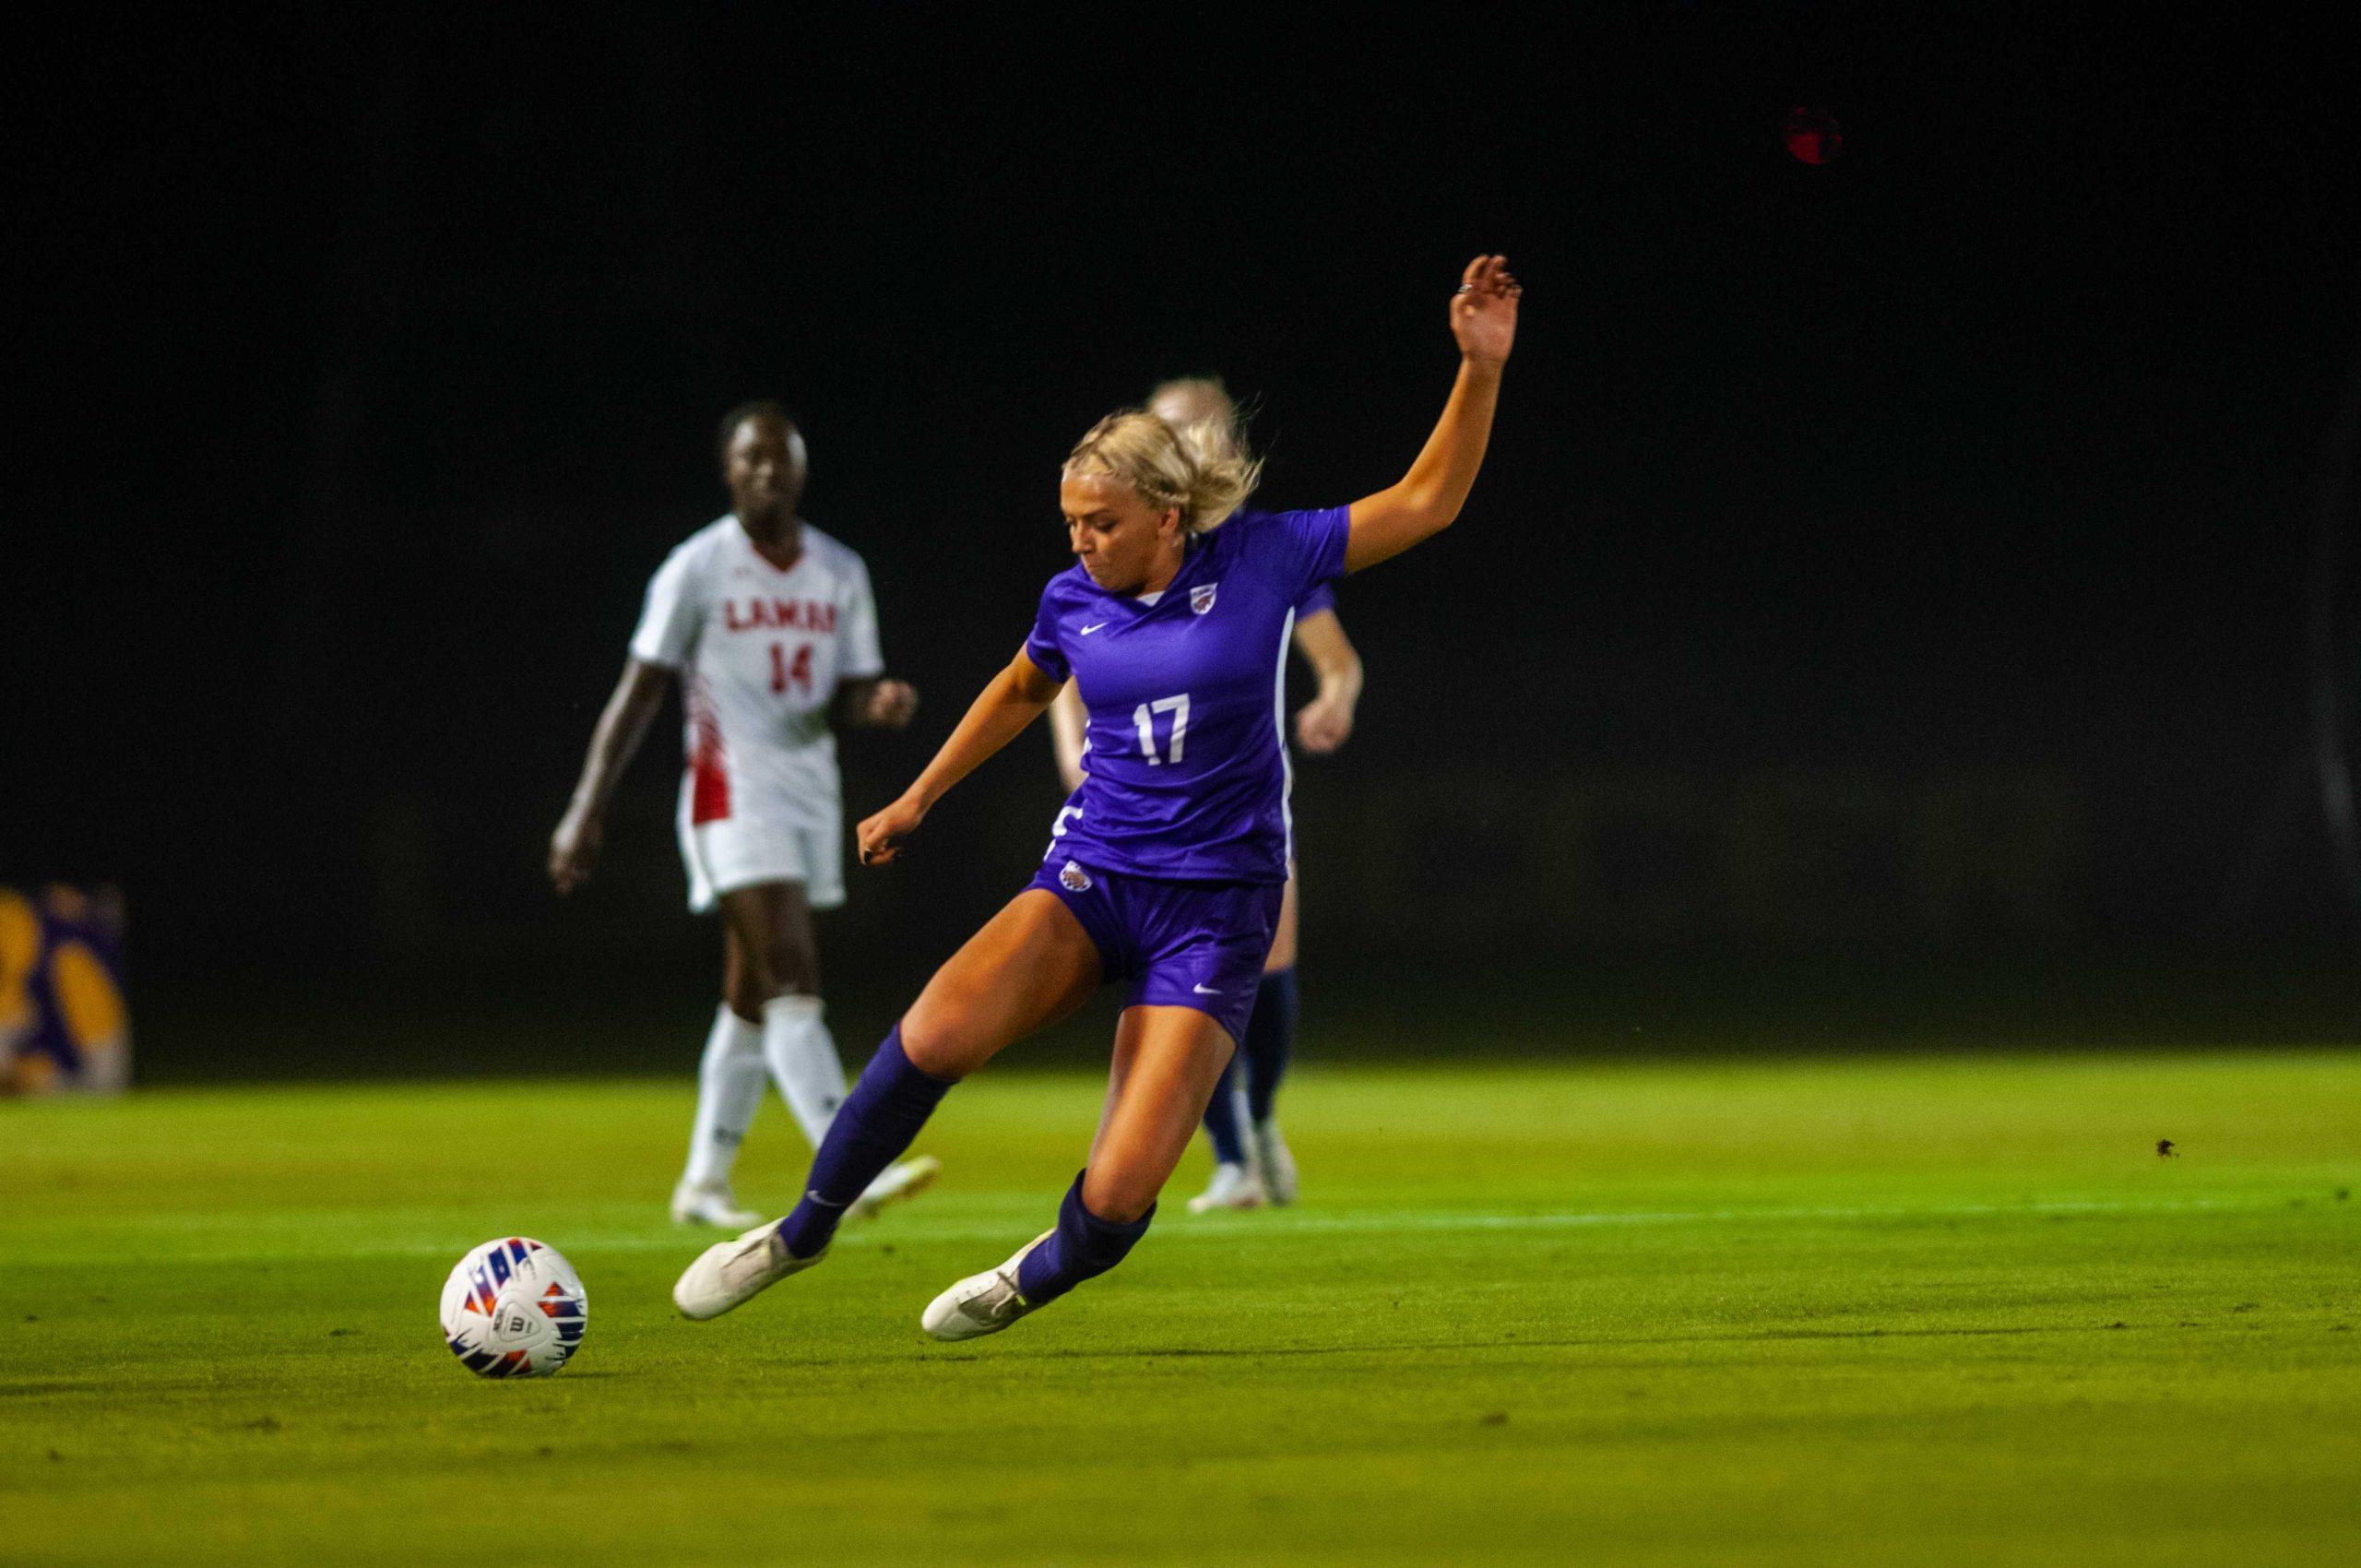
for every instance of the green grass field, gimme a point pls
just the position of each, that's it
(1871, 1310)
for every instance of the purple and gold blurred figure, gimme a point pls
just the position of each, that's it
(63, 1025)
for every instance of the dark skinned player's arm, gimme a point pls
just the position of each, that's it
(623, 725)
(872, 702)
(848, 708)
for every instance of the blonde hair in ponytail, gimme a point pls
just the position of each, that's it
(1205, 471)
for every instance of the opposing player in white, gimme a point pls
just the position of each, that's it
(771, 629)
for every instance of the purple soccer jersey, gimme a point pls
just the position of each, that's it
(1185, 752)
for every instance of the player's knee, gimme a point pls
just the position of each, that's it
(1115, 1196)
(742, 995)
(932, 1049)
(779, 968)
(794, 966)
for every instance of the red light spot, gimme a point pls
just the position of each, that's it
(1812, 136)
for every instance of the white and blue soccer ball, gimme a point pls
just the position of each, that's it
(514, 1308)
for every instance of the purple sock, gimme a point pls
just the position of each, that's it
(875, 1124)
(1083, 1247)
(1270, 1040)
(1221, 1116)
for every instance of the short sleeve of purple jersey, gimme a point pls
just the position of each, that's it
(1320, 600)
(1308, 550)
(1041, 646)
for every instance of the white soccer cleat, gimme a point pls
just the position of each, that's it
(894, 1185)
(1233, 1186)
(729, 1273)
(1276, 1164)
(710, 1202)
(982, 1303)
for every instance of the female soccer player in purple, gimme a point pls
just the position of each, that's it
(1252, 1165)
(1165, 869)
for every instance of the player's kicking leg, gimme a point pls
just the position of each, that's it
(1031, 964)
(1166, 1062)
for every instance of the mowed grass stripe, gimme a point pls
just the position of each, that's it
(1226, 1228)
(1814, 1312)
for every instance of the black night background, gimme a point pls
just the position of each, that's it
(1901, 596)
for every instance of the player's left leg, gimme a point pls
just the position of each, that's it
(771, 923)
(1167, 1061)
(776, 980)
(1268, 1046)
(1033, 964)
(1234, 1183)
(729, 1091)
(1251, 1165)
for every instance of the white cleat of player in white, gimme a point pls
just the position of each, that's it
(1273, 1161)
(982, 1303)
(710, 1202)
(729, 1273)
(1233, 1186)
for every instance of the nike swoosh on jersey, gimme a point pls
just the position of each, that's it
(1088, 630)
(1205, 990)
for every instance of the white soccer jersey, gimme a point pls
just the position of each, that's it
(759, 651)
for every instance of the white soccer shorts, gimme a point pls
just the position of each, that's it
(721, 857)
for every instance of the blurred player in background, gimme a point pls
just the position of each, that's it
(771, 629)
(1167, 868)
(1251, 1162)
(64, 1026)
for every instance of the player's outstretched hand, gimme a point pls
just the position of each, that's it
(880, 837)
(1323, 724)
(891, 705)
(574, 849)
(1483, 313)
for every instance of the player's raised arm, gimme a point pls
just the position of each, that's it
(1427, 498)
(574, 848)
(1013, 699)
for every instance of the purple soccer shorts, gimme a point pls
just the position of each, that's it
(1197, 945)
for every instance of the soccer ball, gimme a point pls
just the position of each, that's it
(514, 1308)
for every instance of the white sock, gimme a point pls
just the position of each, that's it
(730, 1091)
(805, 1063)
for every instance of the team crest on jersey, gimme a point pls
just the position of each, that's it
(1075, 879)
(1201, 598)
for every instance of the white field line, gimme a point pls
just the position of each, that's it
(902, 1228)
